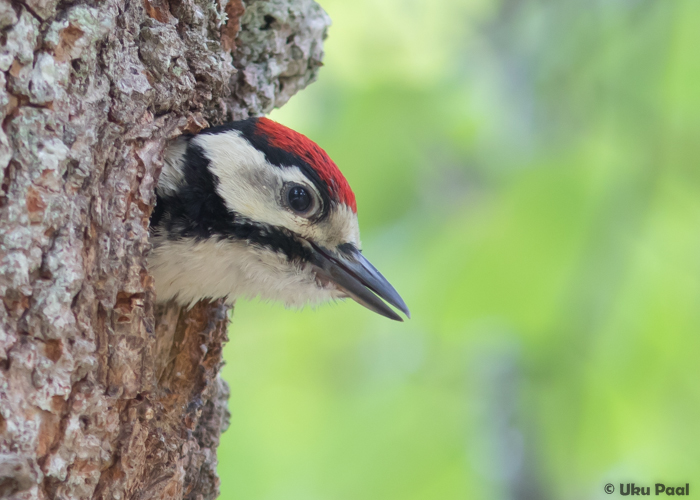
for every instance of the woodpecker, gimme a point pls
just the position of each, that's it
(254, 209)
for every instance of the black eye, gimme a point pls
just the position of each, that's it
(299, 198)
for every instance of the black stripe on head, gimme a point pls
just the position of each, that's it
(198, 211)
(278, 157)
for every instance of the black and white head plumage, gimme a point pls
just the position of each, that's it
(223, 225)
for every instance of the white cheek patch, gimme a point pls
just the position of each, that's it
(252, 187)
(248, 184)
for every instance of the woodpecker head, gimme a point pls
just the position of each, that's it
(253, 208)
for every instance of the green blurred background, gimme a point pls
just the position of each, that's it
(527, 177)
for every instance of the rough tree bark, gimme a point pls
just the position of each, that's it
(103, 395)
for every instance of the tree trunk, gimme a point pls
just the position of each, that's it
(102, 394)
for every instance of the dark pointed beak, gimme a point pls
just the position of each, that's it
(348, 269)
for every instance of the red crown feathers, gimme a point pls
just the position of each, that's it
(298, 144)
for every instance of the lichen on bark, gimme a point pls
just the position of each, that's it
(103, 395)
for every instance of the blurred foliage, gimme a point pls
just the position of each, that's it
(527, 177)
